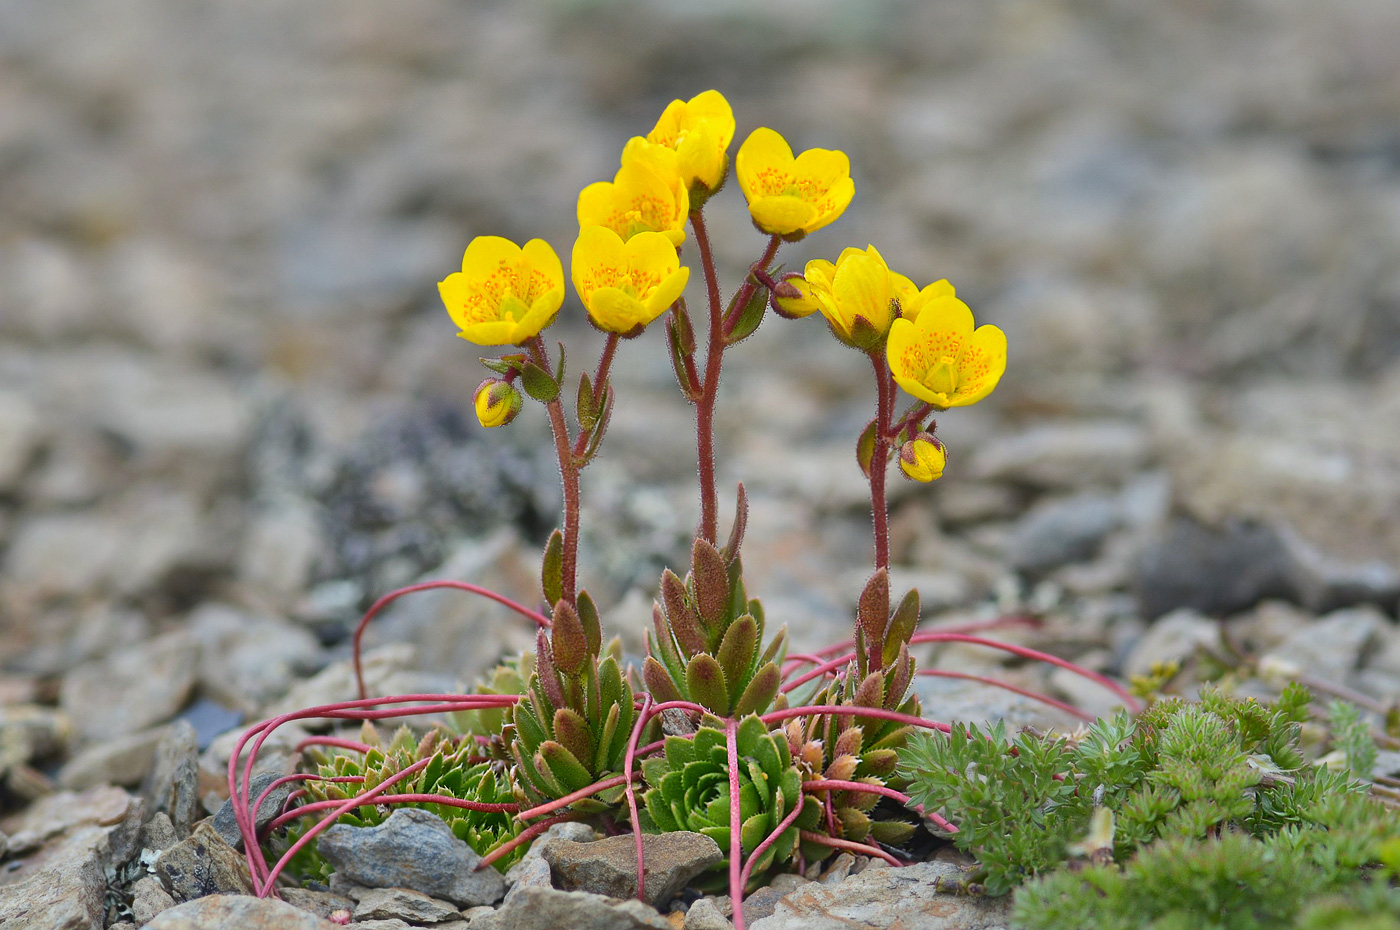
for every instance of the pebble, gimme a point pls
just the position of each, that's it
(125, 761)
(1059, 532)
(132, 689)
(62, 890)
(548, 909)
(1175, 637)
(237, 912)
(402, 904)
(1214, 571)
(412, 849)
(247, 660)
(20, 435)
(1333, 647)
(1064, 455)
(149, 898)
(227, 825)
(203, 865)
(173, 783)
(706, 915)
(609, 866)
(885, 899)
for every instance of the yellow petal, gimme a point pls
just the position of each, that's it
(820, 273)
(913, 305)
(596, 249)
(616, 312)
(711, 107)
(501, 333)
(652, 253)
(821, 169)
(981, 365)
(781, 216)
(944, 325)
(763, 150)
(862, 288)
(542, 261)
(595, 204)
(830, 207)
(486, 254)
(665, 293)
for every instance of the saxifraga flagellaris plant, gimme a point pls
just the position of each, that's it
(781, 758)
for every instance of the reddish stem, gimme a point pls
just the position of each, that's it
(568, 477)
(550, 807)
(392, 596)
(444, 800)
(526, 835)
(879, 461)
(736, 848)
(628, 764)
(769, 840)
(850, 846)
(850, 710)
(333, 741)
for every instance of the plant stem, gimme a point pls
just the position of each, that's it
(600, 378)
(714, 358)
(568, 476)
(879, 462)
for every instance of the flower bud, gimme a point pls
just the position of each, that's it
(497, 402)
(789, 301)
(922, 458)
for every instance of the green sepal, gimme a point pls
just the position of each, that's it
(552, 569)
(750, 316)
(704, 679)
(865, 448)
(585, 407)
(595, 437)
(865, 336)
(506, 364)
(539, 383)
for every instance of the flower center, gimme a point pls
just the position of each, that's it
(942, 375)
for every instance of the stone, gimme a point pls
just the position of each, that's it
(763, 902)
(403, 904)
(706, 915)
(237, 912)
(609, 866)
(1325, 582)
(412, 849)
(385, 667)
(886, 899)
(248, 660)
(227, 825)
(158, 833)
(280, 549)
(20, 436)
(838, 869)
(132, 689)
(1173, 638)
(1063, 455)
(125, 761)
(1063, 531)
(1333, 647)
(173, 785)
(529, 872)
(549, 909)
(61, 889)
(1214, 571)
(58, 813)
(203, 865)
(149, 898)
(320, 903)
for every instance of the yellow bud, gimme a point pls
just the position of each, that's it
(923, 458)
(497, 402)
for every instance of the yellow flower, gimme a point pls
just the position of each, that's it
(497, 402)
(923, 458)
(626, 285)
(647, 194)
(940, 359)
(858, 295)
(699, 130)
(791, 197)
(504, 294)
(912, 300)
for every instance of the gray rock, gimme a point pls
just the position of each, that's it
(609, 866)
(402, 904)
(133, 689)
(20, 435)
(548, 909)
(125, 761)
(320, 903)
(412, 849)
(280, 548)
(838, 869)
(529, 872)
(886, 899)
(158, 833)
(173, 785)
(58, 813)
(227, 825)
(1173, 638)
(203, 865)
(63, 888)
(237, 912)
(1063, 455)
(1063, 531)
(706, 915)
(763, 902)
(149, 898)
(1213, 571)
(1325, 582)
(1333, 647)
(247, 660)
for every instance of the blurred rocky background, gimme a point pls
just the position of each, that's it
(233, 411)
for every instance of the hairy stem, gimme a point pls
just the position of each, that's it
(879, 462)
(714, 359)
(568, 476)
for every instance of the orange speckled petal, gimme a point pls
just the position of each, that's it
(980, 366)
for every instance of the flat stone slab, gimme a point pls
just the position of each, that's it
(609, 866)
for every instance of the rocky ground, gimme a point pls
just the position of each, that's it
(232, 411)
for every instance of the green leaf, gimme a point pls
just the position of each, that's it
(587, 410)
(741, 522)
(737, 648)
(680, 616)
(704, 679)
(750, 316)
(592, 628)
(865, 448)
(710, 576)
(759, 694)
(552, 569)
(564, 766)
(573, 733)
(873, 607)
(568, 641)
(659, 682)
(539, 383)
(902, 624)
